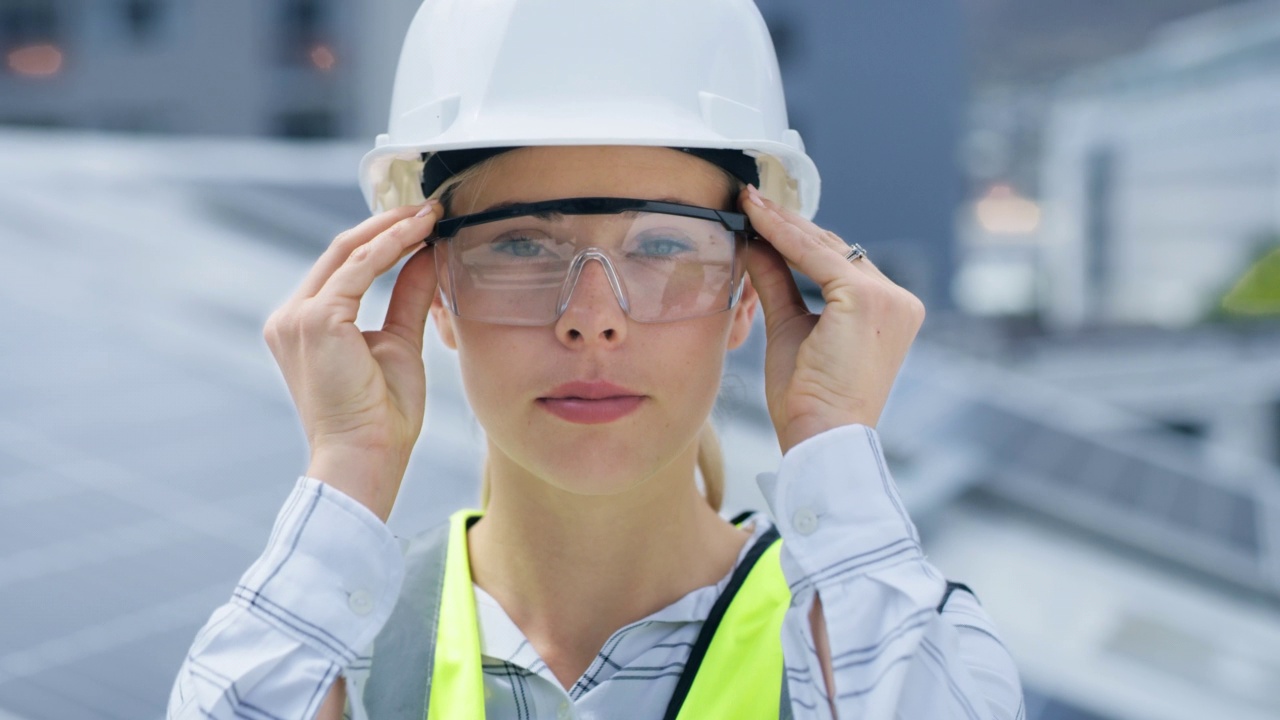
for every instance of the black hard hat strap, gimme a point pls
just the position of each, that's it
(440, 166)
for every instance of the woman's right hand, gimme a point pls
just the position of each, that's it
(361, 395)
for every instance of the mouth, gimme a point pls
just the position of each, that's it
(590, 403)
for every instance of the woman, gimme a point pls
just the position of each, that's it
(594, 249)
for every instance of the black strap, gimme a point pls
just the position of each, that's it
(712, 623)
(952, 587)
(440, 166)
(734, 162)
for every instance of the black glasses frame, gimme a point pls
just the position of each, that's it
(449, 227)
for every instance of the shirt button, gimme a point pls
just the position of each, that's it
(804, 521)
(360, 602)
(564, 712)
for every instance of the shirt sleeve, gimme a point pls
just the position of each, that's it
(848, 540)
(305, 612)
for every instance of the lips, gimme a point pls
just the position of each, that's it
(590, 403)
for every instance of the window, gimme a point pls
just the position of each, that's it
(306, 124)
(29, 38)
(27, 22)
(142, 19)
(302, 29)
(782, 30)
(1099, 191)
(1275, 432)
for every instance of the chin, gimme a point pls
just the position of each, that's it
(603, 468)
(602, 460)
(605, 478)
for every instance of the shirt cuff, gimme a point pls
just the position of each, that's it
(330, 575)
(837, 508)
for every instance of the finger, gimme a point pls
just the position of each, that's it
(352, 280)
(865, 264)
(411, 297)
(811, 254)
(345, 243)
(780, 297)
(829, 238)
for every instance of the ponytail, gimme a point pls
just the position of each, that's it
(711, 465)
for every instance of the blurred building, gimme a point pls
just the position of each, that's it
(878, 90)
(224, 67)
(1161, 173)
(997, 228)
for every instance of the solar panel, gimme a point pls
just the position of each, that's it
(1165, 501)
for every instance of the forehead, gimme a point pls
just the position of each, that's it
(546, 173)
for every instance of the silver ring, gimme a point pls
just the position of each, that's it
(855, 253)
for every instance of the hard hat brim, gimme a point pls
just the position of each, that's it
(389, 173)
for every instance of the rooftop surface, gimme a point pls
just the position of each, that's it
(147, 441)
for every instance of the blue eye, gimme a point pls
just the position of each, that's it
(658, 247)
(518, 246)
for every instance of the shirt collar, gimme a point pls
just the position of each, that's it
(502, 641)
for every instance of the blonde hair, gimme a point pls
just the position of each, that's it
(710, 456)
(711, 465)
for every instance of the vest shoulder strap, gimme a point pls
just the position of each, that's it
(400, 677)
(456, 687)
(755, 625)
(952, 587)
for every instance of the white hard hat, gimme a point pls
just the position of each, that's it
(511, 73)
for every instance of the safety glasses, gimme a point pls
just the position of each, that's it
(518, 264)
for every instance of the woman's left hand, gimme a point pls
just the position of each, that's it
(834, 368)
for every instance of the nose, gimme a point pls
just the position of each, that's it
(594, 314)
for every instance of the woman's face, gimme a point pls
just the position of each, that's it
(512, 373)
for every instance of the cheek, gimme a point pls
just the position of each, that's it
(693, 360)
(495, 365)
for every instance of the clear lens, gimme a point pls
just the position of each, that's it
(666, 267)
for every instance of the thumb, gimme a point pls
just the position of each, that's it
(411, 297)
(780, 297)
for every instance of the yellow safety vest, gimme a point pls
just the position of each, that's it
(426, 661)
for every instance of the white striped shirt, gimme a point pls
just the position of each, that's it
(309, 608)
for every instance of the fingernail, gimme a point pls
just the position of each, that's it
(754, 195)
(427, 207)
